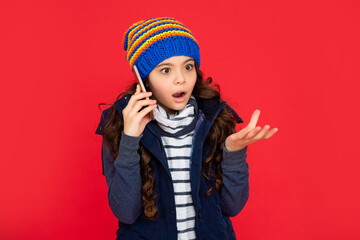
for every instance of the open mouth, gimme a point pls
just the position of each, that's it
(179, 94)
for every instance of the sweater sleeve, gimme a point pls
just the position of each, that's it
(235, 191)
(123, 179)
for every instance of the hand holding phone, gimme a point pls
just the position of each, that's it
(139, 111)
(143, 89)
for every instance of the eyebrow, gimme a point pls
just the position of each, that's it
(170, 64)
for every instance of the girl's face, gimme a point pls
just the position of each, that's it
(172, 82)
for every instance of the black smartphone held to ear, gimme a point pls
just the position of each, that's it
(143, 89)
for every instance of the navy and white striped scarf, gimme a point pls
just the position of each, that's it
(179, 123)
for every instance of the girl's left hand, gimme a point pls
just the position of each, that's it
(249, 134)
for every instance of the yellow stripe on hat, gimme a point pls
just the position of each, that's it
(124, 36)
(157, 38)
(130, 35)
(145, 35)
(133, 38)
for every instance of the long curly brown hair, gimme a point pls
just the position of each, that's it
(223, 126)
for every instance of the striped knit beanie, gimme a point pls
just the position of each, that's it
(149, 42)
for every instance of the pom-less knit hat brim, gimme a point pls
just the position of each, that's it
(164, 49)
(150, 42)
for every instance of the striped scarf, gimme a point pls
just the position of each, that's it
(177, 132)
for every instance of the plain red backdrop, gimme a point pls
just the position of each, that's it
(298, 62)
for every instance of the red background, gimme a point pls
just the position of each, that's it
(298, 62)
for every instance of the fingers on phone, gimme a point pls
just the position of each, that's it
(143, 103)
(138, 96)
(146, 110)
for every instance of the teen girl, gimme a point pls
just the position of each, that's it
(174, 164)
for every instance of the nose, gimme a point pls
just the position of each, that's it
(179, 78)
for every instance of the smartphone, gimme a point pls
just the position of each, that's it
(143, 89)
(139, 80)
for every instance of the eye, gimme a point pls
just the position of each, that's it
(162, 70)
(189, 67)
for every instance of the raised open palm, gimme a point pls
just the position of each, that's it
(249, 134)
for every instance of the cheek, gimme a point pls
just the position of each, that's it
(193, 79)
(193, 75)
(160, 92)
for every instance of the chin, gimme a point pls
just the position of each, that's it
(178, 107)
